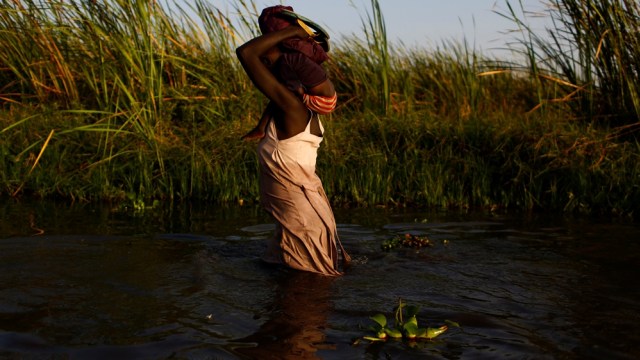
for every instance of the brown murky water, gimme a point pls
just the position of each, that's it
(87, 282)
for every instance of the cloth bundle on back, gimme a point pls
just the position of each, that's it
(294, 70)
(299, 74)
(279, 17)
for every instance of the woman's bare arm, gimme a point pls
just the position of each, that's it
(294, 111)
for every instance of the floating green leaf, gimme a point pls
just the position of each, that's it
(452, 323)
(433, 332)
(411, 310)
(380, 319)
(411, 330)
(394, 333)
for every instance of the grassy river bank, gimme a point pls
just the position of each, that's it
(132, 101)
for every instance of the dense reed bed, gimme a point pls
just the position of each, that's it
(139, 100)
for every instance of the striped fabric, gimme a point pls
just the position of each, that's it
(320, 104)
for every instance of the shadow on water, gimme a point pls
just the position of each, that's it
(90, 282)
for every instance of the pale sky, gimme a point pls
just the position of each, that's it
(417, 23)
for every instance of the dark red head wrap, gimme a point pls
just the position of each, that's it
(270, 21)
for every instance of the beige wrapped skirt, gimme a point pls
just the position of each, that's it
(306, 236)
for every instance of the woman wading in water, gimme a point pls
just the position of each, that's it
(306, 237)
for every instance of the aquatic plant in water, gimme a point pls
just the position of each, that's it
(405, 326)
(407, 240)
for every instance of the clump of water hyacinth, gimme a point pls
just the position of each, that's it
(405, 326)
(407, 240)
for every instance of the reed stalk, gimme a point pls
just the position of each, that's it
(377, 53)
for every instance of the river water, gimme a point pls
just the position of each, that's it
(186, 282)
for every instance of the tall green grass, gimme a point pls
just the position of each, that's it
(591, 55)
(140, 73)
(123, 100)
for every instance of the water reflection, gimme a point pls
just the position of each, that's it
(296, 320)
